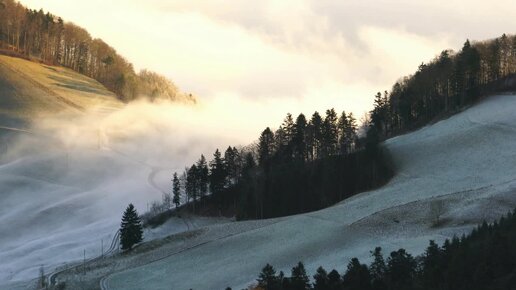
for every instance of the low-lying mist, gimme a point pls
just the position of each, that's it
(65, 182)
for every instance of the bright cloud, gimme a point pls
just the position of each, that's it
(293, 56)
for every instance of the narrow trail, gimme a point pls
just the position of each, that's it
(113, 248)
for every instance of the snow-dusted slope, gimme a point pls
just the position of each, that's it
(467, 161)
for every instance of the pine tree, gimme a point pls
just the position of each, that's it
(217, 174)
(329, 134)
(230, 165)
(378, 269)
(299, 138)
(176, 190)
(334, 280)
(351, 132)
(192, 184)
(267, 278)
(265, 146)
(314, 136)
(288, 128)
(343, 139)
(131, 231)
(357, 276)
(202, 176)
(299, 279)
(321, 280)
(432, 265)
(401, 268)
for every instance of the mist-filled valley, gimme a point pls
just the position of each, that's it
(274, 145)
(67, 179)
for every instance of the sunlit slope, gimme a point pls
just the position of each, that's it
(29, 90)
(466, 161)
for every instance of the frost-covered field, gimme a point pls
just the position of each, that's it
(63, 189)
(466, 161)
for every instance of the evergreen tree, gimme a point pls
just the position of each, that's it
(192, 184)
(217, 174)
(314, 136)
(299, 279)
(265, 146)
(357, 276)
(334, 280)
(268, 280)
(288, 128)
(329, 134)
(351, 132)
(343, 125)
(378, 269)
(202, 176)
(176, 190)
(230, 164)
(321, 280)
(401, 268)
(432, 265)
(239, 163)
(131, 231)
(299, 138)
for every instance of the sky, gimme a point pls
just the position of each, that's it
(267, 58)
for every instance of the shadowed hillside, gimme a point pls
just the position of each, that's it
(29, 89)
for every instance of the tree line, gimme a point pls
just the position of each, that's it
(483, 259)
(302, 166)
(446, 84)
(36, 35)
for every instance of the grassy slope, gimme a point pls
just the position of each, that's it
(29, 90)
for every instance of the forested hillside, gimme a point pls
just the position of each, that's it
(484, 259)
(304, 165)
(47, 38)
(447, 84)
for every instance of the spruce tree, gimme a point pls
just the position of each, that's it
(131, 231)
(334, 280)
(230, 165)
(202, 177)
(265, 146)
(314, 136)
(329, 134)
(299, 138)
(378, 269)
(176, 190)
(357, 276)
(192, 184)
(217, 175)
(268, 279)
(321, 280)
(299, 279)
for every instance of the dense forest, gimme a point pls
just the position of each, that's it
(446, 85)
(302, 166)
(484, 259)
(44, 37)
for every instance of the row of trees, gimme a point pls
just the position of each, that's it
(446, 84)
(485, 259)
(304, 140)
(45, 37)
(303, 165)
